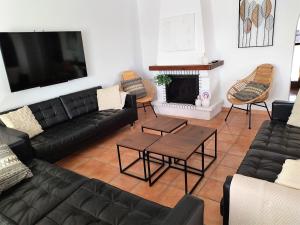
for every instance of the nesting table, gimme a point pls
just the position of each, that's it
(176, 147)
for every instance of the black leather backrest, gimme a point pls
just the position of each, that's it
(80, 103)
(49, 113)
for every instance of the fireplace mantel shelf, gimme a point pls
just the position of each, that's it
(209, 66)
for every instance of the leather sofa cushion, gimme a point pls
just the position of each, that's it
(263, 165)
(49, 113)
(31, 200)
(55, 142)
(60, 140)
(81, 102)
(278, 137)
(98, 203)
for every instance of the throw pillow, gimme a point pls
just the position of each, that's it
(290, 174)
(22, 120)
(251, 91)
(294, 119)
(110, 98)
(134, 87)
(12, 170)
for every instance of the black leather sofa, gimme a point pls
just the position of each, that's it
(274, 143)
(55, 196)
(70, 120)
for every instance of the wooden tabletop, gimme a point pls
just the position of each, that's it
(176, 146)
(138, 141)
(198, 132)
(164, 124)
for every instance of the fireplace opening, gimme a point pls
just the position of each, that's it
(183, 89)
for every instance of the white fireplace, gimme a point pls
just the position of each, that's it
(181, 47)
(208, 81)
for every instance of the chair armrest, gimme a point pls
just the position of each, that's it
(189, 211)
(130, 102)
(6, 221)
(281, 110)
(226, 200)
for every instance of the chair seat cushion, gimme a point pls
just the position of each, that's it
(278, 137)
(28, 202)
(98, 203)
(251, 91)
(135, 87)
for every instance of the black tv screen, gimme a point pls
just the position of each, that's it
(36, 59)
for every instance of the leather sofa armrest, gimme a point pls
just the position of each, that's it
(6, 132)
(189, 211)
(18, 141)
(226, 200)
(281, 110)
(130, 102)
(6, 221)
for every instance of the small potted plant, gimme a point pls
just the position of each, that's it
(163, 79)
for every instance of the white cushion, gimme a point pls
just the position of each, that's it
(290, 174)
(110, 98)
(22, 120)
(294, 119)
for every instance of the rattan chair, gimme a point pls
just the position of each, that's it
(150, 89)
(262, 74)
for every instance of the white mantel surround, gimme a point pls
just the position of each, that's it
(208, 80)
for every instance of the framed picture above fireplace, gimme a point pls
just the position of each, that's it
(256, 23)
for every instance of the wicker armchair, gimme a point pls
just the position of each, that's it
(150, 89)
(263, 74)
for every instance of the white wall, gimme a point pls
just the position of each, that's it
(176, 9)
(240, 62)
(220, 22)
(110, 35)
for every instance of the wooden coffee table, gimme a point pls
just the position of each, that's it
(164, 124)
(175, 147)
(136, 142)
(202, 134)
(179, 147)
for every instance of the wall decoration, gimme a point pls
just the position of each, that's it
(297, 41)
(256, 23)
(178, 33)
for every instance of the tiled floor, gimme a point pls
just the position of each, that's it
(99, 160)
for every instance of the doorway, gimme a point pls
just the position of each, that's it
(295, 78)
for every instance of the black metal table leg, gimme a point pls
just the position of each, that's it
(185, 177)
(119, 157)
(216, 144)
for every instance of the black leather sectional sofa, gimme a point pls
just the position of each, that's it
(70, 120)
(274, 143)
(55, 196)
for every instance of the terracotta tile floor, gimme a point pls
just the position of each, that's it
(99, 160)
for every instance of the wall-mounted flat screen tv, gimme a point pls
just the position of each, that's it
(37, 59)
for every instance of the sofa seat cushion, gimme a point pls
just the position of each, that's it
(29, 201)
(108, 118)
(262, 164)
(98, 203)
(49, 145)
(278, 137)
